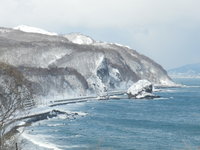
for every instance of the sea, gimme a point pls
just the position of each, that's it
(171, 122)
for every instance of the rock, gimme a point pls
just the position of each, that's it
(140, 86)
(141, 89)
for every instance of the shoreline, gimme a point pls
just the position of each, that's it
(46, 113)
(29, 143)
(23, 140)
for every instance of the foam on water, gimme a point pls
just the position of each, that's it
(74, 146)
(162, 98)
(40, 141)
(55, 125)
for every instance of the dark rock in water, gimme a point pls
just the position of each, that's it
(149, 96)
(50, 114)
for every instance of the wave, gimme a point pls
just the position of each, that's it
(55, 125)
(162, 98)
(41, 142)
(75, 146)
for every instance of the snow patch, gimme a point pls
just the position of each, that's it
(102, 44)
(4, 30)
(30, 29)
(21, 123)
(97, 85)
(99, 61)
(109, 45)
(120, 45)
(168, 83)
(115, 74)
(79, 39)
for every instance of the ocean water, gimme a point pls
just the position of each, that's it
(168, 123)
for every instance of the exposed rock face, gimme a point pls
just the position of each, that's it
(141, 89)
(60, 67)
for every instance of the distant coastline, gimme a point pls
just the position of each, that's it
(184, 76)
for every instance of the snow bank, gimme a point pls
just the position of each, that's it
(29, 29)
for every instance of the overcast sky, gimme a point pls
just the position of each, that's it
(167, 31)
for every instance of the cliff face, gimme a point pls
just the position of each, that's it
(74, 65)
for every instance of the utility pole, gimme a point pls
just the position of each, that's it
(16, 146)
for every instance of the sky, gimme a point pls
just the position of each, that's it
(168, 31)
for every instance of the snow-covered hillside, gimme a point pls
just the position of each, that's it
(78, 38)
(30, 29)
(74, 64)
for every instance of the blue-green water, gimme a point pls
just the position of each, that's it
(169, 123)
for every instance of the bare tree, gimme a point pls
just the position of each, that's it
(15, 97)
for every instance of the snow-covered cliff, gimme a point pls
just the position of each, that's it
(74, 64)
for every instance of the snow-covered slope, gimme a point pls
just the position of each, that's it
(30, 29)
(76, 65)
(78, 38)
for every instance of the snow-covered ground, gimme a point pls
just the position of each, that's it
(30, 29)
(78, 38)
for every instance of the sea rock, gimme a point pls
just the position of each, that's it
(141, 89)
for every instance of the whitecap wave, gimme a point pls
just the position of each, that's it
(55, 125)
(75, 146)
(70, 136)
(162, 98)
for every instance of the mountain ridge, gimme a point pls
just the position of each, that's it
(189, 70)
(61, 67)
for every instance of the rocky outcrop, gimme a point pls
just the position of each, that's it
(141, 89)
